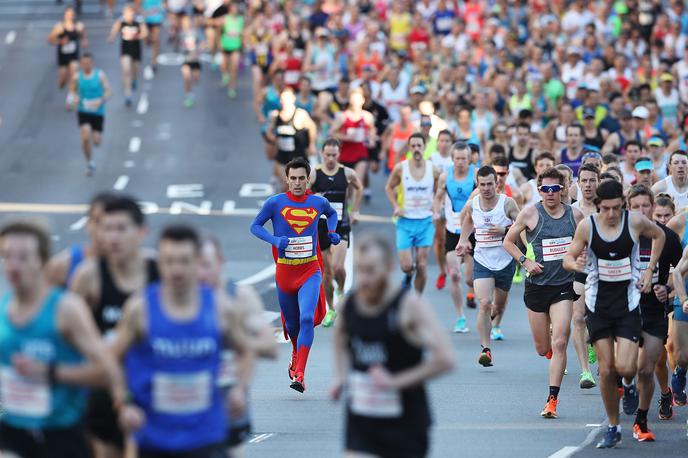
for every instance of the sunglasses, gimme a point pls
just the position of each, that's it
(545, 188)
(502, 174)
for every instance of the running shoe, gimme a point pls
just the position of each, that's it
(90, 169)
(666, 410)
(550, 410)
(441, 281)
(518, 277)
(189, 102)
(231, 93)
(642, 433)
(630, 399)
(292, 365)
(134, 84)
(678, 386)
(592, 356)
(225, 80)
(460, 325)
(298, 383)
(587, 381)
(330, 316)
(148, 73)
(549, 354)
(128, 101)
(485, 358)
(496, 333)
(406, 283)
(611, 438)
(470, 301)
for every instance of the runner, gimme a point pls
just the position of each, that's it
(549, 226)
(388, 344)
(255, 334)
(395, 139)
(231, 42)
(69, 36)
(612, 290)
(442, 160)
(171, 339)
(268, 100)
(529, 189)
(105, 283)
(62, 267)
(454, 187)
(176, 9)
(293, 131)
(521, 154)
(191, 68)
(643, 172)
(355, 128)
(655, 323)
(490, 214)
(153, 12)
(131, 33)
(588, 180)
(259, 44)
(50, 352)
(679, 331)
(89, 91)
(294, 217)
(676, 184)
(410, 189)
(332, 180)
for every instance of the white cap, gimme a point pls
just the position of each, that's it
(640, 112)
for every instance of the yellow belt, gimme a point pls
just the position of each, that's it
(295, 262)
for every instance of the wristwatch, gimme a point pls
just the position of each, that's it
(522, 259)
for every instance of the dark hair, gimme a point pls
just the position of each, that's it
(614, 95)
(575, 125)
(551, 172)
(86, 55)
(416, 135)
(128, 205)
(501, 161)
(608, 190)
(298, 163)
(523, 125)
(497, 149)
(633, 142)
(486, 171)
(461, 145)
(678, 152)
(545, 155)
(665, 200)
(445, 132)
(33, 229)
(610, 158)
(376, 240)
(589, 168)
(332, 142)
(639, 190)
(181, 233)
(102, 198)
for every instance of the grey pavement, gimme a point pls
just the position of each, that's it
(207, 163)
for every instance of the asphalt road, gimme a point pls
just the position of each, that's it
(205, 165)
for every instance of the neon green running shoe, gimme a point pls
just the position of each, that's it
(592, 356)
(329, 318)
(587, 381)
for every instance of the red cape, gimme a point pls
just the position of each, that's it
(321, 308)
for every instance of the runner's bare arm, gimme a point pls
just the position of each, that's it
(258, 331)
(464, 245)
(312, 178)
(235, 335)
(114, 30)
(390, 188)
(677, 276)
(336, 128)
(677, 223)
(511, 209)
(257, 105)
(143, 34)
(312, 132)
(372, 132)
(54, 33)
(610, 144)
(357, 187)
(106, 85)
(660, 186)
(272, 124)
(578, 215)
(574, 258)
(83, 39)
(440, 195)
(384, 143)
(86, 282)
(57, 267)
(341, 354)
(650, 230)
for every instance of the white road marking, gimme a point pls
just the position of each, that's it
(177, 208)
(135, 144)
(349, 264)
(256, 190)
(569, 450)
(79, 224)
(10, 37)
(593, 425)
(564, 452)
(260, 438)
(170, 58)
(264, 274)
(184, 191)
(121, 183)
(142, 106)
(129, 164)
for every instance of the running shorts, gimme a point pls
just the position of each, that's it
(44, 443)
(386, 439)
(211, 451)
(655, 322)
(450, 241)
(603, 326)
(539, 298)
(131, 49)
(503, 278)
(416, 233)
(102, 420)
(324, 240)
(96, 121)
(63, 60)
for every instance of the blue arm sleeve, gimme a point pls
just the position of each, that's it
(261, 218)
(331, 215)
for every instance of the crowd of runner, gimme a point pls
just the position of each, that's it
(536, 142)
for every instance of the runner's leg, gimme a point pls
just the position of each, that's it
(338, 261)
(455, 289)
(560, 316)
(484, 290)
(579, 329)
(648, 356)
(421, 268)
(328, 277)
(608, 378)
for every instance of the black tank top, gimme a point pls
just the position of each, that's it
(378, 340)
(290, 140)
(613, 272)
(130, 32)
(72, 45)
(596, 140)
(525, 165)
(109, 308)
(333, 188)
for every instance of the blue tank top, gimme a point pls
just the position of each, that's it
(153, 11)
(172, 375)
(308, 106)
(91, 92)
(76, 255)
(460, 191)
(31, 404)
(271, 102)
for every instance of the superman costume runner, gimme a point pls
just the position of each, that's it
(299, 273)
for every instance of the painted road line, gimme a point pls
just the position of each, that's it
(78, 224)
(593, 425)
(135, 144)
(349, 264)
(565, 452)
(129, 164)
(121, 183)
(10, 37)
(142, 106)
(260, 438)
(264, 274)
(569, 451)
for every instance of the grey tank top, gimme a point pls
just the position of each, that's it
(550, 239)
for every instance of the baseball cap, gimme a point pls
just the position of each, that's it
(640, 112)
(644, 163)
(418, 89)
(588, 113)
(655, 141)
(573, 50)
(666, 77)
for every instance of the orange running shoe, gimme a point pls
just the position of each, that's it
(441, 281)
(292, 366)
(642, 436)
(620, 389)
(549, 354)
(550, 410)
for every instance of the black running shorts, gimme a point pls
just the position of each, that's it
(45, 443)
(539, 298)
(628, 325)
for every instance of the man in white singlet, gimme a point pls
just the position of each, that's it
(676, 184)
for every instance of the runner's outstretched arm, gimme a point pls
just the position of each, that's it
(262, 217)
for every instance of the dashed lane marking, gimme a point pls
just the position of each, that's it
(142, 106)
(260, 438)
(129, 164)
(121, 183)
(78, 224)
(10, 37)
(135, 144)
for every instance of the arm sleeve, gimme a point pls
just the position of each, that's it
(261, 218)
(331, 215)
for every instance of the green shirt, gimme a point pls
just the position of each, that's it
(231, 33)
(554, 90)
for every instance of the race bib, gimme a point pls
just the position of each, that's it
(444, 23)
(182, 394)
(369, 400)
(356, 134)
(286, 143)
(614, 271)
(554, 249)
(261, 49)
(130, 33)
(227, 375)
(291, 77)
(484, 239)
(69, 47)
(299, 247)
(418, 203)
(91, 104)
(644, 261)
(24, 397)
